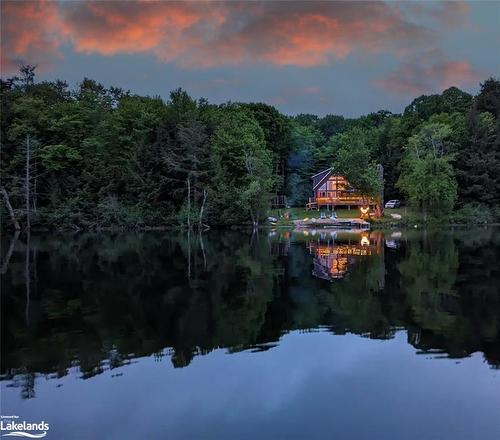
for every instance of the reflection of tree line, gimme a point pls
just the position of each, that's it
(100, 301)
(117, 295)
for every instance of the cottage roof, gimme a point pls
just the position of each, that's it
(319, 178)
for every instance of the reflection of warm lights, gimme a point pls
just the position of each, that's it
(364, 209)
(331, 259)
(365, 241)
(329, 263)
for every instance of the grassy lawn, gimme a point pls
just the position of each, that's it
(407, 215)
(300, 213)
(401, 211)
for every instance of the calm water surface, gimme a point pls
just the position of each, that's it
(278, 335)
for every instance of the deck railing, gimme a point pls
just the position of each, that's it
(342, 197)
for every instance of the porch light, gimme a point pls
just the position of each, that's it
(365, 241)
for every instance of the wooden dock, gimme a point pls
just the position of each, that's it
(341, 223)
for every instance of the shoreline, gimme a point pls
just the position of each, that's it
(373, 226)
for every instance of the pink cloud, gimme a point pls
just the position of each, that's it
(26, 33)
(429, 72)
(207, 34)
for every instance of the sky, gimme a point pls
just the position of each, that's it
(347, 58)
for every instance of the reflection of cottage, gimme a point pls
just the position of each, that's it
(329, 264)
(333, 190)
(331, 259)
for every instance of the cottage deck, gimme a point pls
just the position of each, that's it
(315, 203)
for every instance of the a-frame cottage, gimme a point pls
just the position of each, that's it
(332, 190)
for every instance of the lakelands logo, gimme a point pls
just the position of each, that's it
(10, 426)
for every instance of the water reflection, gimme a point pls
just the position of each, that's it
(333, 251)
(96, 302)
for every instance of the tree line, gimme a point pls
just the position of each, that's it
(94, 157)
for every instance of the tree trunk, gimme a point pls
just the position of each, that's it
(189, 204)
(12, 245)
(202, 248)
(35, 182)
(255, 219)
(27, 184)
(380, 201)
(6, 199)
(200, 219)
(189, 253)
(252, 217)
(27, 275)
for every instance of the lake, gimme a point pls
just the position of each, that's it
(273, 335)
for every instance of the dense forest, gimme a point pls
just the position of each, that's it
(97, 157)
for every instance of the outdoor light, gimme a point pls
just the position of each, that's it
(365, 241)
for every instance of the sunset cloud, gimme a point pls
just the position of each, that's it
(110, 28)
(309, 34)
(429, 72)
(303, 56)
(207, 34)
(31, 32)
